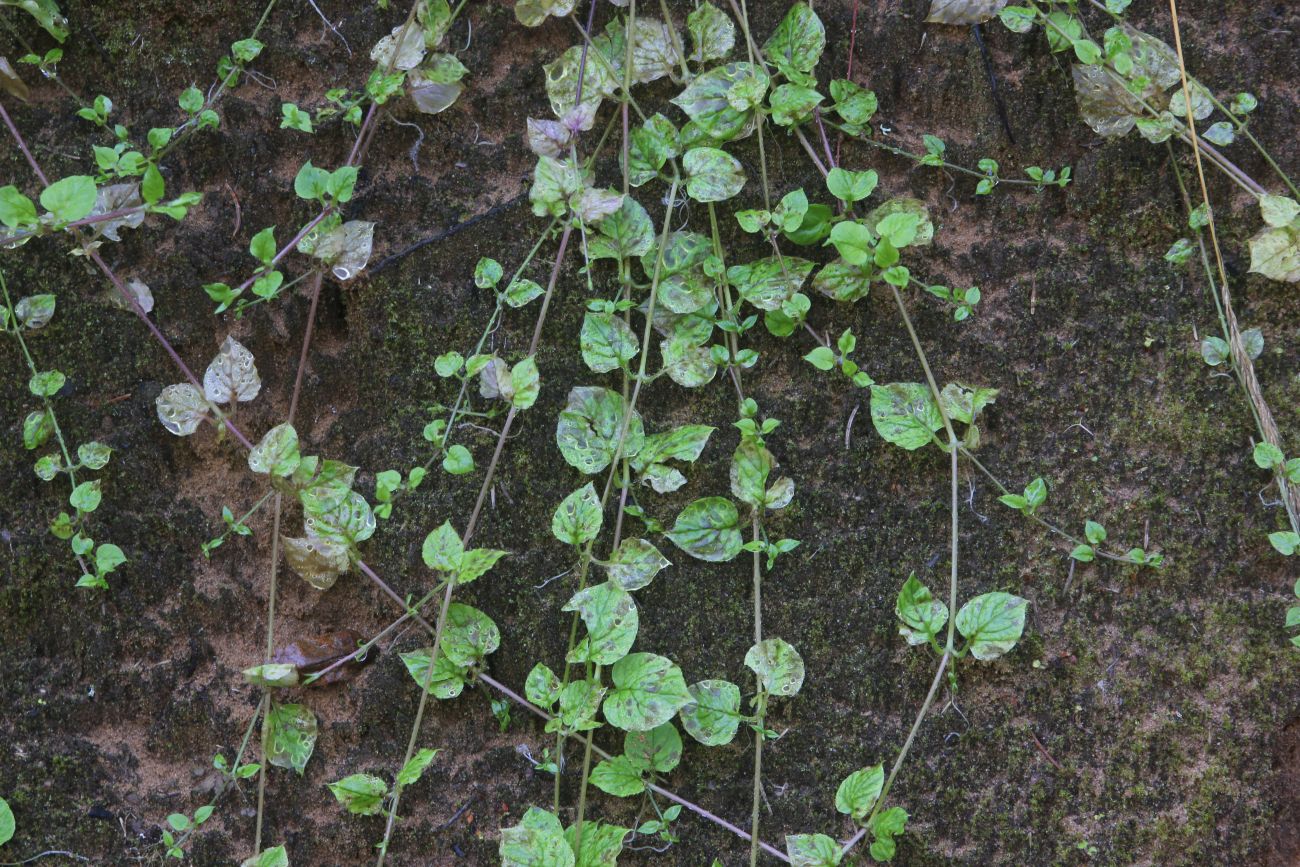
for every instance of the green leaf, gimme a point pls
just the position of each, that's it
(712, 175)
(445, 681)
(70, 198)
(277, 453)
(648, 690)
(601, 843)
(905, 414)
(7, 823)
(635, 563)
(659, 749)
(1267, 456)
(708, 529)
(361, 794)
(578, 518)
(152, 186)
(712, 715)
(273, 857)
(851, 186)
(291, 736)
(442, 549)
(16, 210)
(47, 15)
(476, 563)
(311, 183)
(720, 102)
(470, 635)
(1285, 543)
(607, 342)
(778, 665)
(855, 105)
(822, 358)
(921, 614)
(859, 791)
(768, 283)
(538, 840)
(812, 850)
(650, 146)
(713, 34)
(525, 382)
(86, 496)
(921, 231)
(1083, 553)
(589, 427)
(1095, 533)
(414, 769)
(108, 557)
(46, 383)
(750, 466)
(797, 44)
(37, 429)
(618, 776)
(992, 623)
(458, 461)
(611, 619)
(853, 241)
(627, 233)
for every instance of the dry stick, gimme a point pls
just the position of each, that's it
(1245, 367)
(658, 790)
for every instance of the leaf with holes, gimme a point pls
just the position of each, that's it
(578, 518)
(635, 563)
(589, 427)
(346, 248)
(469, 636)
(611, 619)
(291, 736)
(445, 681)
(180, 408)
(277, 453)
(712, 715)
(232, 375)
(778, 665)
(318, 562)
(770, 282)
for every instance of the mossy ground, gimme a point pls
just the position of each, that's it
(1149, 715)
